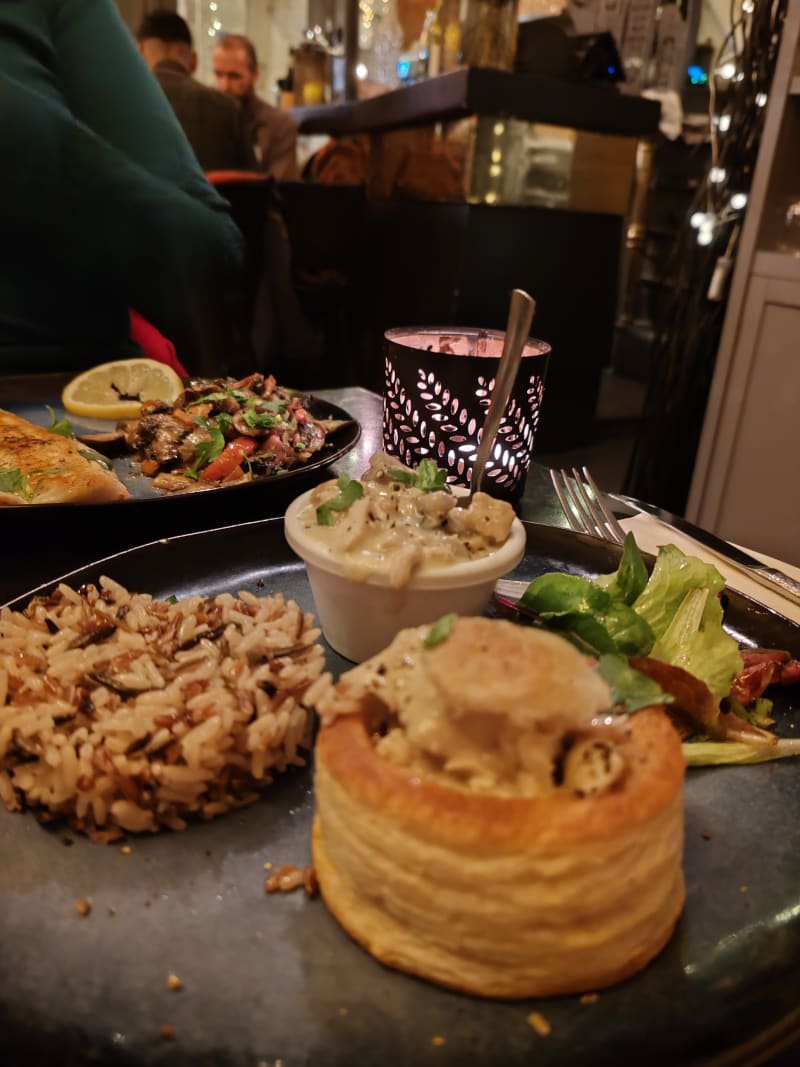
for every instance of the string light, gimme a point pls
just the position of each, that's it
(690, 319)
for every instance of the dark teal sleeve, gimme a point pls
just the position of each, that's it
(102, 204)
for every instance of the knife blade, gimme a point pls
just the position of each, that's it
(766, 576)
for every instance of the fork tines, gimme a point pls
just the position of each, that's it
(584, 505)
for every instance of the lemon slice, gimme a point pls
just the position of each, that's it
(116, 390)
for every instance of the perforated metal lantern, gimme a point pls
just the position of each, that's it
(438, 384)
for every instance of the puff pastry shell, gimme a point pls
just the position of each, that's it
(502, 896)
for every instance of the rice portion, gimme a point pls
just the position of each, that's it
(121, 713)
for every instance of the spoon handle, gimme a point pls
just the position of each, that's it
(520, 317)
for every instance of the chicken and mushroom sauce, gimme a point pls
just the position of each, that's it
(225, 430)
(489, 707)
(395, 522)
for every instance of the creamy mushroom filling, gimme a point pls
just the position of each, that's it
(451, 713)
(397, 529)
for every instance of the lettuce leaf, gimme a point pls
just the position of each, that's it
(695, 640)
(600, 619)
(675, 615)
(630, 578)
(674, 574)
(631, 689)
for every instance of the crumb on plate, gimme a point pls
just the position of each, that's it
(539, 1023)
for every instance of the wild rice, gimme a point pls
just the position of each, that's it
(123, 713)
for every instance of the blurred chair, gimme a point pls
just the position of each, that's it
(325, 227)
(270, 330)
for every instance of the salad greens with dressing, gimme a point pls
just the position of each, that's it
(629, 619)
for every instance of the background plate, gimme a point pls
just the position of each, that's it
(274, 978)
(142, 489)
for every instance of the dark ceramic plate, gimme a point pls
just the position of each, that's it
(273, 979)
(142, 490)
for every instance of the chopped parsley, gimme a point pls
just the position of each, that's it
(12, 480)
(95, 457)
(223, 394)
(206, 452)
(260, 420)
(350, 490)
(63, 427)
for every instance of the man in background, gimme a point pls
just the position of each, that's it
(211, 121)
(272, 131)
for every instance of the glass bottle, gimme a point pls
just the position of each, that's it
(450, 18)
(431, 42)
(387, 42)
(489, 34)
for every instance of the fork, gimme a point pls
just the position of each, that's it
(584, 506)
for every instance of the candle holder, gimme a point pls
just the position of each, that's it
(438, 384)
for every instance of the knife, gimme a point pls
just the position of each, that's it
(766, 576)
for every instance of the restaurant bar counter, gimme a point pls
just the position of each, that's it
(474, 183)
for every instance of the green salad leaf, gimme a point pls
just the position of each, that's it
(675, 615)
(350, 490)
(599, 617)
(630, 578)
(715, 753)
(631, 689)
(427, 477)
(681, 603)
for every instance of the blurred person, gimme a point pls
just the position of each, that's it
(103, 207)
(215, 127)
(272, 132)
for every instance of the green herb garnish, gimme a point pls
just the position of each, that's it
(206, 452)
(171, 599)
(440, 630)
(12, 480)
(211, 398)
(350, 490)
(260, 420)
(427, 477)
(63, 427)
(95, 457)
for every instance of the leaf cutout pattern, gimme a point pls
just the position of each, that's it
(427, 418)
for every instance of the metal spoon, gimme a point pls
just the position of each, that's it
(518, 328)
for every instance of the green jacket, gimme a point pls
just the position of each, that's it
(103, 205)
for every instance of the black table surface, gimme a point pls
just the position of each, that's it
(34, 555)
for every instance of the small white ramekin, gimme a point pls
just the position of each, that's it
(359, 618)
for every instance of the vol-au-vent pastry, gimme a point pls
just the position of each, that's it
(484, 819)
